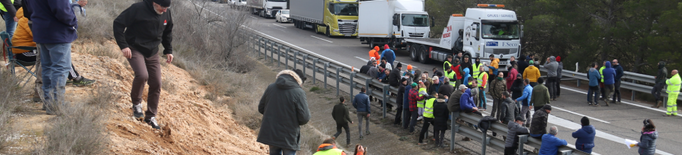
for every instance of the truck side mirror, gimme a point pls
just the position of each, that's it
(396, 20)
(521, 31)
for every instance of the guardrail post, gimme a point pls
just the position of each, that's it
(485, 142)
(286, 62)
(338, 78)
(523, 139)
(383, 103)
(326, 74)
(578, 82)
(314, 70)
(352, 85)
(305, 64)
(368, 82)
(295, 59)
(633, 96)
(272, 53)
(265, 50)
(260, 45)
(454, 128)
(279, 54)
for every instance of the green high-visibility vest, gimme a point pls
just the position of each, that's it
(420, 104)
(329, 152)
(445, 65)
(483, 77)
(428, 110)
(601, 71)
(477, 69)
(452, 76)
(2, 7)
(674, 84)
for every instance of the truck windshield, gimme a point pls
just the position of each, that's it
(343, 9)
(415, 20)
(277, 0)
(285, 12)
(500, 30)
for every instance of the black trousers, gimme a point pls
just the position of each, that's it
(413, 119)
(510, 150)
(657, 91)
(338, 131)
(558, 87)
(616, 91)
(439, 135)
(425, 128)
(407, 117)
(398, 115)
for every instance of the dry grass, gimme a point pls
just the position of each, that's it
(98, 24)
(99, 49)
(9, 95)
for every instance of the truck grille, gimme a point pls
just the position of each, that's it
(416, 35)
(501, 51)
(347, 28)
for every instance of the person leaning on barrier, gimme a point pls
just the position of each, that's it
(660, 83)
(508, 109)
(538, 125)
(453, 102)
(365, 68)
(585, 136)
(399, 100)
(516, 128)
(550, 143)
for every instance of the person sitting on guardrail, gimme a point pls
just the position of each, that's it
(440, 121)
(617, 79)
(673, 91)
(540, 96)
(609, 75)
(453, 102)
(660, 83)
(361, 104)
(373, 72)
(446, 88)
(388, 54)
(526, 105)
(365, 68)
(647, 142)
(466, 103)
(585, 136)
(516, 128)
(409, 71)
(413, 98)
(538, 125)
(387, 65)
(594, 77)
(550, 143)
(532, 73)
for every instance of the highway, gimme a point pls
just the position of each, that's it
(614, 123)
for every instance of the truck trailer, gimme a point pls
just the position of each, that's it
(329, 17)
(390, 21)
(480, 32)
(266, 8)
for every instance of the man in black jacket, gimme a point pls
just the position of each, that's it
(399, 101)
(660, 83)
(538, 126)
(508, 110)
(138, 31)
(342, 118)
(394, 76)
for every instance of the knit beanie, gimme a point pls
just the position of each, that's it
(558, 58)
(164, 3)
(399, 65)
(585, 121)
(409, 67)
(547, 107)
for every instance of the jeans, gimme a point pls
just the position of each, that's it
(55, 64)
(616, 91)
(551, 85)
(413, 120)
(338, 132)
(274, 150)
(525, 110)
(11, 25)
(593, 90)
(398, 115)
(361, 116)
(482, 100)
(407, 117)
(425, 128)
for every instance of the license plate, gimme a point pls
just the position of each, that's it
(503, 63)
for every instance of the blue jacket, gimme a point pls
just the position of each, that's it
(550, 144)
(406, 102)
(361, 102)
(527, 91)
(382, 75)
(594, 77)
(619, 72)
(466, 76)
(585, 141)
(53, 22)
(389, 55)
(466, 102)
(609, 74)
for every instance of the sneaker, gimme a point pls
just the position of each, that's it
(152, 122)
(589, 103)
(137, 112)
(361, 137)
(596, 105)
(607, 103)
(83, 82)
(367, 133)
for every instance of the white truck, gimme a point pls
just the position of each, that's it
(266, 8)
(390, 21)
(478, 33)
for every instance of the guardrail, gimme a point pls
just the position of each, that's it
(281, 54)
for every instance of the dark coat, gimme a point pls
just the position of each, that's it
(394, 77)
(585, 141)
(446, 89)
(497, 87)
(539, 123)
(662, 73)
(647, 143)
(361, 103)
(141, 28)
(619, 72)
(508, 111)
(340, 114)
(400, 96)
(53, 22)
(517, 89)
(514, 131)
(284, 110)
(453, 101)
(522, 64)
(441, 114)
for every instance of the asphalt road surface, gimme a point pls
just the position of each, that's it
(614, 123)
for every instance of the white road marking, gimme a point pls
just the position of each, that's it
(579, 114)
(628, 103)
(331, 42)
(279, 25)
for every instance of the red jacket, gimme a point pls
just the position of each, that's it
(456, 69)
(510, 79)
(413, 98)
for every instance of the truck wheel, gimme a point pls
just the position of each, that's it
(371, 43)
(328, 34)
(413, 53)
(423, 55)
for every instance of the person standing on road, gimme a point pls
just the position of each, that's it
(466, 64)
(511, 76)
(619, 75)
(660, 83)
(609, 76)
(407, 111)
(525, 100)
(428, 117)
(388, 54)
(673, 91)
(540, 96)
(483, 81)
(553, 75)
(374, 54)
(493, 67)
(508, 109)
(458, 72)
(441, 115)
(446, 89)
(538, 125)
(516, 128)
(601, 82)
(559, 71)
(285, 109)
(413, 98)
(447, 63)
(361, 104)
(585, 136)
(342, 118)
(532, 73)
(647, 141)
(138, 31)
(498, 87)
(550, 143)
(594, 77)
(522, 64)
(399, 101)
(517, 88)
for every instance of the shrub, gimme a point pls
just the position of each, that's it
(9, 95)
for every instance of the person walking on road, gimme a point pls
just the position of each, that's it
(559, 72)
(428, 117)
(552, 76)
(388, 54)
(525, 100)
(660, 83)
(440, 121)
(498, 86)
(585, 136)
(538, 125)
(532, 73)
(594, 77)
(609, 76)
(647, 141)
(673, 91)
(413, 98)
(342, 118)
(138, 33)
(550, 143)
(619, 75)
(285, 109)
(540, 96)
(516, 128)
(361, 104)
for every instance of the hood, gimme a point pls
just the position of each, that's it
(149, 5)
(466, 70)
(522, 58)
(651, 134)
(607, 64)
(558, 58)
(589, 129)
(325, 146)
(20, 13)
(386, 47)
(661, 64)
(288, 79)
(468, 92)
(552, 59)
(477, 61)
(376, 48)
